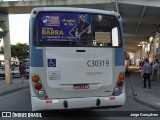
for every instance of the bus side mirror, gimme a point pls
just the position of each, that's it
(115, 36)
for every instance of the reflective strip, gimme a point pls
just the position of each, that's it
(112, 98)
(55, 101)
(48, 101)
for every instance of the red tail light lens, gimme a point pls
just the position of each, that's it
(118, 16)
(34, 12)
(119, 83)
(38, 86)
(46, 97)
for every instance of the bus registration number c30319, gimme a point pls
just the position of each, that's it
(97, 63)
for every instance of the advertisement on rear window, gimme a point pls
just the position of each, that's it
(63, 27)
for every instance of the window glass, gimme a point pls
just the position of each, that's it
(74, 29)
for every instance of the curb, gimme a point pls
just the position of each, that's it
(14, 90)
(140, 101)
(145, 103)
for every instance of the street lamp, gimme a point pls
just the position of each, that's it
(148, 47)
(151, 39)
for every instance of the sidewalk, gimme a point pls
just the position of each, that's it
(16, 86)
(146, 96)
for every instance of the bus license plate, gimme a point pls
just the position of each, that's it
(80, 86)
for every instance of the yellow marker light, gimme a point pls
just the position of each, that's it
(35, 79)
(121, 76)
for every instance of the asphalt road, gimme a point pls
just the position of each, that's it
(20, 101)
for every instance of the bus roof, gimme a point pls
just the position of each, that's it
(73, 9)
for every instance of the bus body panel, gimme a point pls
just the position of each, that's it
(73, 103)
(90, 66)
(91, 95)
(67, 91)
(62, 69)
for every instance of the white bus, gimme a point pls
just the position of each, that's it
(76, 58)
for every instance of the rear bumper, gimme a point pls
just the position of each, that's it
(74, 103)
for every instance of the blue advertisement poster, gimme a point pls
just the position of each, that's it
(54, 27)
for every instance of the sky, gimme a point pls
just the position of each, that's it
(19, 28)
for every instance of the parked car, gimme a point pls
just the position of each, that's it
(2, 71)
(14, 68)
(15, 72)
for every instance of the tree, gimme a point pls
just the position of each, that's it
(3, 34)
(20, 51)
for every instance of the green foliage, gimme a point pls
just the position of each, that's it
(3, 34)
(20, 51)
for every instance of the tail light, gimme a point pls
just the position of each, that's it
(119, 86)
(35, 79)
(118, 16)
(34, 12)
(121, 76)
(41, 93)
(119, 83)
(46, 97)
(38, 86)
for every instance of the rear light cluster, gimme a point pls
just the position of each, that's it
(35, 79)
(119, 85)
(119, 17)
(38, 87)
(34, 12)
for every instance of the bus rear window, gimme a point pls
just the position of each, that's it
(74, 29)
